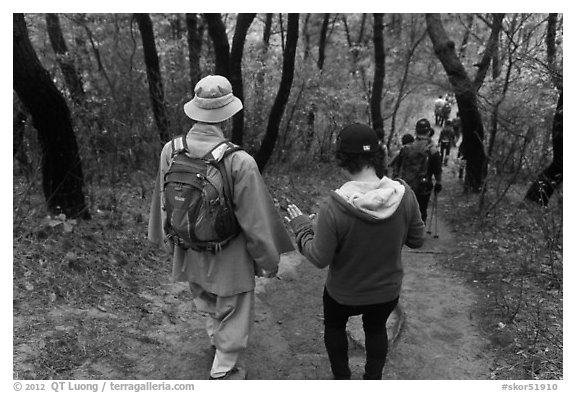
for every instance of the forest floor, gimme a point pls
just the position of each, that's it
(92, 300)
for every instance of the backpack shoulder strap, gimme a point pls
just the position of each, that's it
(216, 156)
(179, 145)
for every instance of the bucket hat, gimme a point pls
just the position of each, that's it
(213, 100)
(357, 139)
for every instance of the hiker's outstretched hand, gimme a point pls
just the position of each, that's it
(293, 212)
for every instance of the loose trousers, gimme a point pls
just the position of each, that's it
(229, 320)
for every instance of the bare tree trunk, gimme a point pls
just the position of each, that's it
(62, 178)
(267, 31)
(466, 36)
(217, 31)
(64, 59)
(194, 48)
(265, 45)
(322, 42)
(495, 110)
(243, 23)
(550, 179)
(396, 25)
(259, 99)
(281, 22)
(361, 33)
(496, 63)
(415, 42)
(81, 20)
(18, 150)
(555, 72)
(466, 96)
(306, 35)
(379, 73)
(490, 51)
(265, 152)
(154, 78)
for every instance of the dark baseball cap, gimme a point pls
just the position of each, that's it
(423, 127)
(357, 139)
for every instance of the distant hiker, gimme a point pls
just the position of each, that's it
(446, 112)
(361, 228)
(406, 140)
(220, 272)
(439, 105)
(446, 141)
(462, 161)
(418, 163)
(457, 126)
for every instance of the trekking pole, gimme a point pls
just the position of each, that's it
(429, 224)
(435, 208)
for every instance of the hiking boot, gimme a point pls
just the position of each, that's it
(236, 373)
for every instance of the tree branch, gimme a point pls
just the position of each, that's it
(491, 48)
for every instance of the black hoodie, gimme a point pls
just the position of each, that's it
(360, 233)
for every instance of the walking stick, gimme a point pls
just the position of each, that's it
(435, 209)
(429, 231)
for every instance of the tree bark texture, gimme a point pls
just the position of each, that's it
(194, 48)
(555, 72)
(64, 59)
(466, 36)
(281, 24)
(550, 179)
(265, 152)
(465, 92)
(154, 77)
(18, 151)
(306, 36)
(379, 73)
(62, 178)
(217, 32)
(267, 31)
(243, 23)
(322, 42)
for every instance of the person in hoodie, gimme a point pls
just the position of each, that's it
(360, 231)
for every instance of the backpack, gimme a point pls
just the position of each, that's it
(198, 198)
(414, 167)
(447, 134)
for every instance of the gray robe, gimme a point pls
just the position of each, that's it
(263, 238)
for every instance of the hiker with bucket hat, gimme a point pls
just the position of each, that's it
(360, 231)
(222, 278)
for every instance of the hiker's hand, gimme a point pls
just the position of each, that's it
(169, 246)
(259, 272)
(270, 273)
(437, 187)
(293, 212)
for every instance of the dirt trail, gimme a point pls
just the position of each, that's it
(439, 338)
(164, 337)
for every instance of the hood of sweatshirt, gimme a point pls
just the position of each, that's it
(374, 201)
